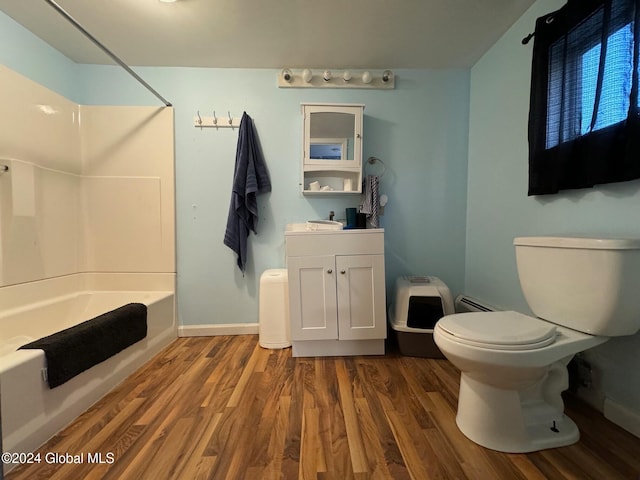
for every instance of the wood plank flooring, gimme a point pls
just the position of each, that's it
(224, 408)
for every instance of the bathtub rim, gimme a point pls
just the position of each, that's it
(28, 293)
(159, 295)
(10, 358)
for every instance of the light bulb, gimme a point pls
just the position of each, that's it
(346, 75)
(307, 75)
(387, 75)
(326, 75)
(287, 76)
(366, 77)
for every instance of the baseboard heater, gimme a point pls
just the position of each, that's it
(464, 303)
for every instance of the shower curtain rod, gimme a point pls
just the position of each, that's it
(112, 55)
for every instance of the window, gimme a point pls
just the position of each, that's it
(616, 87)
(583, 120)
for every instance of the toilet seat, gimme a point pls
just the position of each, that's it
(499, 330)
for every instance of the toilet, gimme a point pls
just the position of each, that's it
(583, 291)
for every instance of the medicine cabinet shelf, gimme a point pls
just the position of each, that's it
(331, 180)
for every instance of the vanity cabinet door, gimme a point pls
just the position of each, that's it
(361, 297)
(312, 297)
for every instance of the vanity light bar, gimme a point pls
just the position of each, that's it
(307, 78)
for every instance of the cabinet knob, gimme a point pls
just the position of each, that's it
(329, 271)
(343, 272)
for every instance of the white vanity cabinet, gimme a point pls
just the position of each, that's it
(336, 292)
(331, 148)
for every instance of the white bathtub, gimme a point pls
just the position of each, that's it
(31, 411)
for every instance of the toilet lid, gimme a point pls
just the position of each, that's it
(499, 330)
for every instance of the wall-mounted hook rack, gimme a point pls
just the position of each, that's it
(216, 122)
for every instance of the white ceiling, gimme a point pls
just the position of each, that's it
(275, 33)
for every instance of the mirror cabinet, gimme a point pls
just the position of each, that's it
(331, 148)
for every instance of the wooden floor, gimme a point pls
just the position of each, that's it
(224, 408)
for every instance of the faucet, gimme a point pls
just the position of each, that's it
(331, 215)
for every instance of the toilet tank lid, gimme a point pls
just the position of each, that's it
(584, 242)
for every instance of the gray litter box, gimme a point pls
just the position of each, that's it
(420, 301)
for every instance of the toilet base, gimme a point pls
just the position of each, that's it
(512, 421)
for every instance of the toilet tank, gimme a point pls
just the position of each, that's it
(586, 284)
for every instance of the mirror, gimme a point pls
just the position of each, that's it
(331, 136)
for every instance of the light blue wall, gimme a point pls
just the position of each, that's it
(499, 209)
(419, 130)
(26, 54)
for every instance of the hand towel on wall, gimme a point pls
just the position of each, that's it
(371, 199)
(250, 177)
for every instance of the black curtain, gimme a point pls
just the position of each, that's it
(572, 141)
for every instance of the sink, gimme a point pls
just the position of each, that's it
(316, 225)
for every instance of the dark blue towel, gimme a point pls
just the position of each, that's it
(76, 349)
(250, 177)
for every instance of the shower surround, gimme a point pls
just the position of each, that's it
(87, 204)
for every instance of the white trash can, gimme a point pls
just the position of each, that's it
(273, 326)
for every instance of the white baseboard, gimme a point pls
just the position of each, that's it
(622, 416)
(214, 330)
